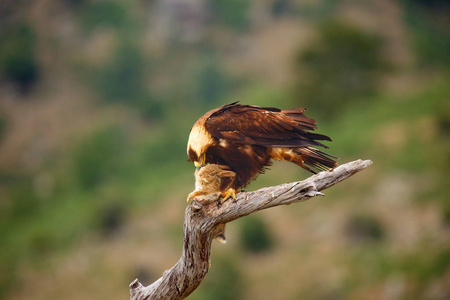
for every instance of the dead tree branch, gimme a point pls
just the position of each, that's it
(202, 219)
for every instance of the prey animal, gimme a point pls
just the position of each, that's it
(211, 182)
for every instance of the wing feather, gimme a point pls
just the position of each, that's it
(264, 126)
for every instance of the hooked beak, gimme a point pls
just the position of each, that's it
(199, 164)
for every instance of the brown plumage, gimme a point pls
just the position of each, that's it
(246, 138)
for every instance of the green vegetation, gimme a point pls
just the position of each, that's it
(255, 237)
(211, 83)
(417, 143)
(430, 25)
(113, 14)
(18, 61)
(426, 265)
(364, 228)
(122, 80)
(97, 157)
(224, 281)
(319, 10)
(232, 13)
(340, 69)
(3, 125)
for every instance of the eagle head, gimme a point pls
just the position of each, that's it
(199, 141)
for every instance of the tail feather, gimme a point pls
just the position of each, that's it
(305, 157)
(315, 158)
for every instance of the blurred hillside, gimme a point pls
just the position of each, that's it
(97, 98)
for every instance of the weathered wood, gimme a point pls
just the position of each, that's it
(201, 220)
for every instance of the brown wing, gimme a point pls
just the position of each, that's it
(264, 126)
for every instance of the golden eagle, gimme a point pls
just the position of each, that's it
(246, 138)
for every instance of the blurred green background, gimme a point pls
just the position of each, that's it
(97, 98)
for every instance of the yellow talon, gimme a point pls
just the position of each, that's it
(230, 193)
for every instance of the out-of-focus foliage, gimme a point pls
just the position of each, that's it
(104, 14)
(211, 82)
(231, 13)
(341, 68)
(255, 235)
(318, 10)
(364, 228)
(123, 80)
(18, 61)
(3, 124)
(97, 157)
(430, 25)
(440, 153)
(112, 217)
(225, 282)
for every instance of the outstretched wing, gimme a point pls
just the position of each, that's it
(264, 126)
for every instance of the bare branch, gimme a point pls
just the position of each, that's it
(202, 219)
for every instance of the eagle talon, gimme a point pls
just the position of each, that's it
(230, 193)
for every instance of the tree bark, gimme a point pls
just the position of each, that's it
(202, 219)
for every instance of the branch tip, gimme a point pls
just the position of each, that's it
(195, 205)
(136, 285)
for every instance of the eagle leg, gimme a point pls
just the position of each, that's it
(230, 193)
